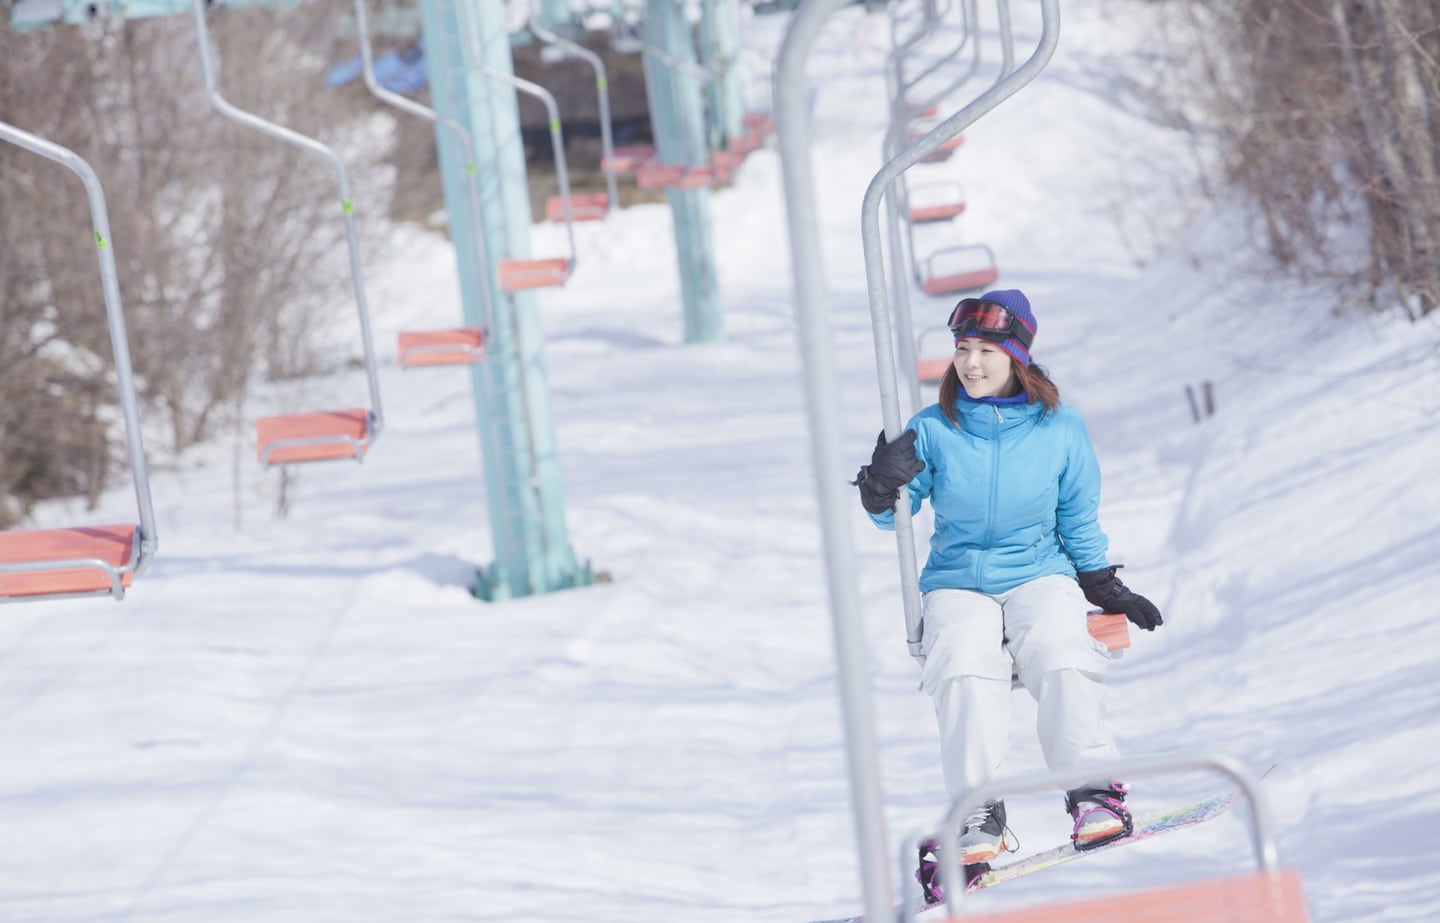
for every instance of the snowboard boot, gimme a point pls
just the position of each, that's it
(1099, 813)
(928, 874)
(983, 837)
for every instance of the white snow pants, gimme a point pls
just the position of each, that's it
(969, 641)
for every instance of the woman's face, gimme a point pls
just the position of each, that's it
(984, 368)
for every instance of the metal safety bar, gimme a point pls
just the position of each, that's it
(347, 205)
(115, 318)
(1262, 837)
(875, 279)
(602, 99)
(822, 391)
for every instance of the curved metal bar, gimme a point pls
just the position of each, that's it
(966, 30)
(115, 316)
(347, 205)
(1262, 837)
(930, 20)
(972, 18)
(602, 99)
(557, 144)
(792, 125)
(875, 278)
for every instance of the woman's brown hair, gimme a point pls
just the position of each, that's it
(1033, 380)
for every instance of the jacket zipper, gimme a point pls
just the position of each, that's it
(993, 499)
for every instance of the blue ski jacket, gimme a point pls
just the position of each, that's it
(1015, 491)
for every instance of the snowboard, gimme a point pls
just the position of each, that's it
(1147, 826)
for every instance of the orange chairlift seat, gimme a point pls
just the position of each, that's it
(86, 560)
(961, 268)
(627, 158)
(1253, 897)
(1267, 894)
(460, 346)
(930, 369)
(596, 205)
(307, 437)
(930, 202)
(656, 175)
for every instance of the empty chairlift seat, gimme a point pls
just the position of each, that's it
(953, 270)
(628, 158)
(307, 437)
(928, 202)
(655, 175)
(518, 275)
(590, 206)
(82, 561)
(460, 346)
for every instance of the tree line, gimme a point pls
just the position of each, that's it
(1327, 115)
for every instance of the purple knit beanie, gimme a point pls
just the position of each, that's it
(1014, 300)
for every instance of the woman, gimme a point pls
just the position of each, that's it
(1017, 561)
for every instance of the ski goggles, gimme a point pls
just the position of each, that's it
(976, 317)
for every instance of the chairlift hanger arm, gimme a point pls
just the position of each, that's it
(148, 539)
(557, 145)
(347, 206)
(457, 131)
(602, 97)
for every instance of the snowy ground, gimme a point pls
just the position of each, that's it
(309, 718)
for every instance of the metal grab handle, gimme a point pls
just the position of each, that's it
(1262, 824)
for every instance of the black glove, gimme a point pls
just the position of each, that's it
(891, 467)
(1102, 588)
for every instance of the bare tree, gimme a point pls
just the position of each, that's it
(1328, 112)
(229, 244)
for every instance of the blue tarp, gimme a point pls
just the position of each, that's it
(396, 71)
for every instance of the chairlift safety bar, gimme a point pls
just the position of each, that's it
(1262, 838)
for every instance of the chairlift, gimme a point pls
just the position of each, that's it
(460, 346)
(628, 158)
(926, 203)
(86, 560)
(521, 274)
(957, 269)
(653, 174)
(306, 437)
(700, 168)
(930, 369)
(589, 206)
(435, 347)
